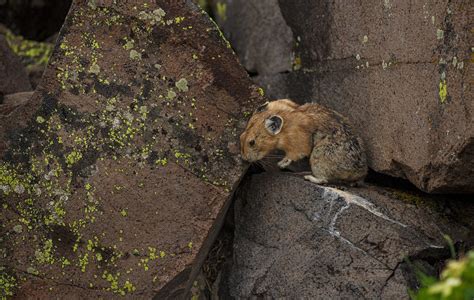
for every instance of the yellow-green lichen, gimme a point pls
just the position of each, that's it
(182, 85)
(178, 20)
(94, 69)
(439, 34)
(134, 54)
(221, 34)
(128, 287)
(7, 284)
(65, 262)
(114, 281)
(40, 119)
(297, 63)
(18, 228)
(45, 256)
(443, 90)
(73, 158)
(221, 9)
(129, 44)
(171, 94)
(83, 262)
(32, 53)
(161, 161)
(152, 17)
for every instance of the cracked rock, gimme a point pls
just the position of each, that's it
(294, 239)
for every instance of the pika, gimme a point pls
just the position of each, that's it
(336, 154)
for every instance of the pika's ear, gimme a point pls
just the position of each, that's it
(274, 124)
(262, 107)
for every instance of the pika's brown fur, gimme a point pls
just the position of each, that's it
(335, 153)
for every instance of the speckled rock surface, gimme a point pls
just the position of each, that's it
(115, 176)
(400, 71)
(294, 239)
(13, 77)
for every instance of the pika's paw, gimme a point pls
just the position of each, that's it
(315, 180)
(284, 163)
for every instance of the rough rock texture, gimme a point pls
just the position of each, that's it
(399, 70)
(115, 176)
(13, 101)
(249, 25)
(13, 77)
(294, 239)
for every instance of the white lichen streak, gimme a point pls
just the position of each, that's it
(333, 194)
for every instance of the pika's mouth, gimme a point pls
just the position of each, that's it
(247, 158)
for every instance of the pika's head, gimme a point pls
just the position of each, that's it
(261, 135)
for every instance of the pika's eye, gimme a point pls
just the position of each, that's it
(252, 143)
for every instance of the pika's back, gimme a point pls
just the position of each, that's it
(324, 119)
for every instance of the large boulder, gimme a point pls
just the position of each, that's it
(294, 239)
(116, 174)
(399, 71)
(13, 77)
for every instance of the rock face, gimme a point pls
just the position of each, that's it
(249, 23)
(115, 175)
(294, 239)
(13, 77)
(399, 71)
(12, 102)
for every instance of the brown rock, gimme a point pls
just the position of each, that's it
(400, 71)
(13, 78)
(13, 101)
(294, 239)
(117, 173)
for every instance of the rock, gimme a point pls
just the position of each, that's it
(249, 23)
(397, 71)
(10, 105)
(12, 101)
(13, 78)
(294, 239)
(120, 189)
(33, 55)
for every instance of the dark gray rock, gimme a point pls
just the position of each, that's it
(258, 33)
(294, 239)
(399, 71)
(13, 77)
